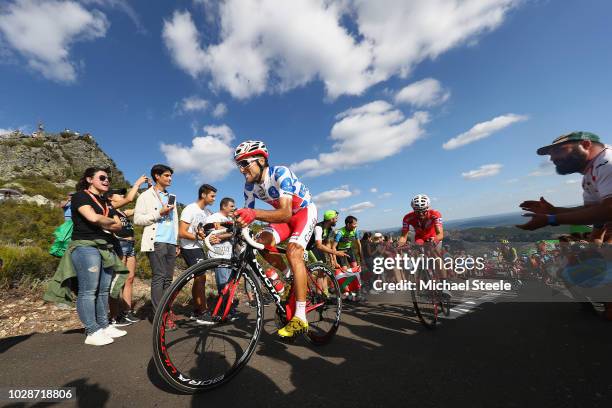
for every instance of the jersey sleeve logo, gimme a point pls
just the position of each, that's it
(278, 173)
(287, 185)
(273, 192)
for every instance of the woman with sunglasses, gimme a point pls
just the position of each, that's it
(92, 255)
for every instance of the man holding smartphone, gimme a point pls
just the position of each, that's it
(156, 211)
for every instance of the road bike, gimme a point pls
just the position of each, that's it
(428, 301)
(192, 357)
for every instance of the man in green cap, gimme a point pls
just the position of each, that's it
(577, 152)
(320, 240)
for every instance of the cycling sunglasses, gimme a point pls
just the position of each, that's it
(243, 164)
(102, 177)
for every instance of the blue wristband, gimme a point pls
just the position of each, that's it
(552, 220)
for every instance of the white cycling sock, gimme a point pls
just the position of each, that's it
(300, 310)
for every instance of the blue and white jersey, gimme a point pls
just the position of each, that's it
(278, 182)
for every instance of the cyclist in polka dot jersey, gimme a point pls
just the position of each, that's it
(294, 218)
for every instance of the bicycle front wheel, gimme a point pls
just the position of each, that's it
(425, 299)
(323, 304)
(194, 354)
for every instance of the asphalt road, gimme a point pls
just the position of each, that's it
(494, 351)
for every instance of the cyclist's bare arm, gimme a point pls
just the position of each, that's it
(280, 215)
(403, 238)
(439, 232)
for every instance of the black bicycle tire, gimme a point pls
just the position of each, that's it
(322, 340)
(160, 359)
(417, 310)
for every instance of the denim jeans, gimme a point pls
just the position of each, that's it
(94, 286)
(222, 276)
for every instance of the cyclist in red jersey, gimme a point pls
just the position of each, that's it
(427, 223)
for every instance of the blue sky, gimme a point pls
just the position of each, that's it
(358, 97)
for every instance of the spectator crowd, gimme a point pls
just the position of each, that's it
(100, 250)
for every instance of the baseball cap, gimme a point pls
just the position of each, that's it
(329, 214)
(378, 235)
(570, 137)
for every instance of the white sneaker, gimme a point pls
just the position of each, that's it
(98, 338)
(113, 332)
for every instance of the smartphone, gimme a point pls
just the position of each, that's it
(171, 199)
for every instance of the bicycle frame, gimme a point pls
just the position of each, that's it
(249, 259)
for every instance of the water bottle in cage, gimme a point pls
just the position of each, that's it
(276, 280)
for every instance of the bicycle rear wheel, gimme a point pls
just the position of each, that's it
(323, 304)
(196, 357)
(425, 299)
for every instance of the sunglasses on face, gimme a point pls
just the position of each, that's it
(104, 178)
(243, 164)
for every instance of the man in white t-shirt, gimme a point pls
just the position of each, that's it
(578, 152)
(223, 249)
(191, 251)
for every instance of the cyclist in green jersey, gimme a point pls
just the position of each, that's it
(346, 239)
(510, 257)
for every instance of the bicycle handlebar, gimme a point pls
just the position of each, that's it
(245, 235)
(207, 240)
(249, 240)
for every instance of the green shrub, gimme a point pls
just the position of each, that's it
(28, 221)
(39, 185)
(10, 143)
(143, 268)
(25, 264)
(34, 142)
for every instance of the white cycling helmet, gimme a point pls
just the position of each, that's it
(250, 148)
(420, 203)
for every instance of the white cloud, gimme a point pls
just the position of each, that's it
(486, 170)
(192, 104)
(5, 131)
(575, 181)
(359, 207)
(209, 156)
(220, 110)
(385, 195)
(545, 168)
(373, 190)
(386, 210)
(271, 46)
(123, 6)
(483, 130)
(332, 196)
(365, 134)
(512, 181)
(423, 94)
(43, 31)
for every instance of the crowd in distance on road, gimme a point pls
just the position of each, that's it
(102, 246)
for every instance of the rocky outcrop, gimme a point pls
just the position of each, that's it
(56, 157)
(37, 199)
